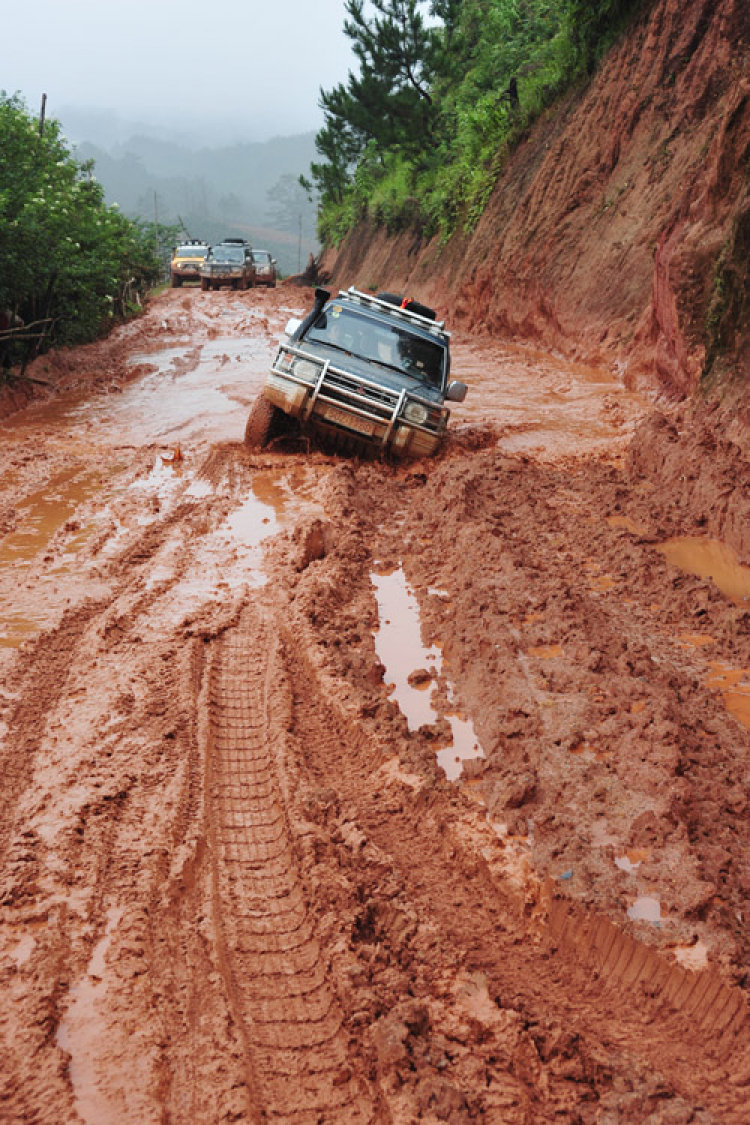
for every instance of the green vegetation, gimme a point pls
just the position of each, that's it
(445, 88)
(71, 264)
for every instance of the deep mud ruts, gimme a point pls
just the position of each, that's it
(238, 882)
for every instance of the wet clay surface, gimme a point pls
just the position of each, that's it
(338, 791)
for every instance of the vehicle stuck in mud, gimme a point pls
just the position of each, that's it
(373, 372)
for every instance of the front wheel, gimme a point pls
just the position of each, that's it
(263, 423)
(176, 282)
(204, 285)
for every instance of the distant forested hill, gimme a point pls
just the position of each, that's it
(215, 192)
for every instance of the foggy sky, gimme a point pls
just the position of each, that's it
(236, 69)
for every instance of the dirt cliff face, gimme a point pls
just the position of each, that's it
(619, 228)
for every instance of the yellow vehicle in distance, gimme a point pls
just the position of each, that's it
(187, 259)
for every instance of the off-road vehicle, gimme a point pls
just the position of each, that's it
(265, 268)
(187, 259)
(228, 263)
(372, 372)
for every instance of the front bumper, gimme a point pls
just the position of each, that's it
(223, 277)
(187, 273)
(333, 399)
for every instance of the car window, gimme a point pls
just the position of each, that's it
(375, 340)
(191, 251)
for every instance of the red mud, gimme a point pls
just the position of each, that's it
(617, 229)
(236, 884)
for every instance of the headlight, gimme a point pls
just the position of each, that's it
(415, 412)
(306, 370)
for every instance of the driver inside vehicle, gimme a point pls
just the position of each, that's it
(386, 353)
(341, 333)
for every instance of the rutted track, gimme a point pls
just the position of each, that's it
(237, 885)
(275, 974)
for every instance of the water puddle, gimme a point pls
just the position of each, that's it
(23, 950)
(693, 957)
(42, 515)
(191, 390)
(710, 558)
(233, 556)
(646, 908)
(734, 685)
(399, 646)
(83, 1028)
(412, 670)
(545, 403)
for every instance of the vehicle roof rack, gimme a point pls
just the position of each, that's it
(436, 327)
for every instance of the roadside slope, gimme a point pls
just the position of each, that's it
(617, 229)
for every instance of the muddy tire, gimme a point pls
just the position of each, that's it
(204, 285)
(176, 282)
(263, 423)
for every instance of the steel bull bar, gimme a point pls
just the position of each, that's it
(356, 402)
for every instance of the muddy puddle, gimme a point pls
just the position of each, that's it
(43, 515)
(231, 557)
(547, 405)
(734, 686)
(193, 391)
(710, 558)
(414, 671)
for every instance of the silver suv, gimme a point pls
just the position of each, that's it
(373, 371)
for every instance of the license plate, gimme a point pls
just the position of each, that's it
(351, 421)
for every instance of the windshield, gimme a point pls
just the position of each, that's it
(191, 252)
(261, 258)
(228, 254)
(391, 345)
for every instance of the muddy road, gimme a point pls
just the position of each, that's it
(341, 792)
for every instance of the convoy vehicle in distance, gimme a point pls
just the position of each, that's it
(372, 372)
(228, 263)
(265, 268)
(187, 258)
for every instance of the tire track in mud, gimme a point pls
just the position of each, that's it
(275, 972)
(42, 677)
(548, 960)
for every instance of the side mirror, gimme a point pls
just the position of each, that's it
(456, 391)
(292, 325)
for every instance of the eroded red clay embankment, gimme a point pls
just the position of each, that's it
(615, 216)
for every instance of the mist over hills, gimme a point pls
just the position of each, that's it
(246, 188)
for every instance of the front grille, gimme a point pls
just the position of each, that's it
(343, 389)
(371, 403)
